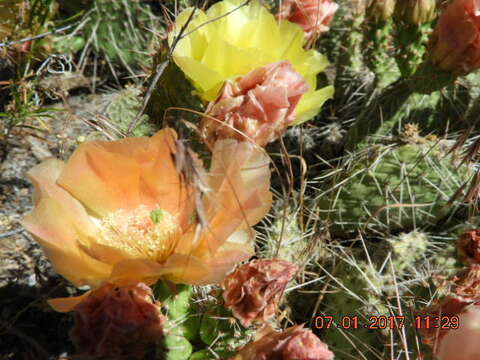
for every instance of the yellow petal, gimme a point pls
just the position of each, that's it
(230, 40)
(311, 104)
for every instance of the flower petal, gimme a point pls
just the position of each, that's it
(240, 180)
(178, 268)
(67, 304)
(58, 222)
(111, 175)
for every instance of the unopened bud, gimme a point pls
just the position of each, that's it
(416, 11)
(381, 10)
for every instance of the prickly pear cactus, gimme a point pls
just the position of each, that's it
(198, 325)
(119, 30)
(173, 96)
(123, 109)
(220, 333)
(354, 294)
(394, 187)
(182, 322)
(380, 281)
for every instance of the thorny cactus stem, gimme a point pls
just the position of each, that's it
(383, 107)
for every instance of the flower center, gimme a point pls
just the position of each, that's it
(143, 233)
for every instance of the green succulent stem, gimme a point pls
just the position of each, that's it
(410, 41)
(388, 102)
(377, 46)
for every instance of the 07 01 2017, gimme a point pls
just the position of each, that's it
(381, 322)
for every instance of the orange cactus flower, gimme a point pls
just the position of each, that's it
(455, 43)
(120, 212)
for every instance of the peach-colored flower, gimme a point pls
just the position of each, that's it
(119, 211)
(253, 290)
(259, 106)
(469, 246)
(294, 343)
(314, 16)
(455, 43)
(117, 322)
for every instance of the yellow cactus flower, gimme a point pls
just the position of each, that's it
(230, 40)
(120, 212)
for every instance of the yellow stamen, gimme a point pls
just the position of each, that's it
(144, 233)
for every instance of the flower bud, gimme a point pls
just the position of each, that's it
(416, 11)
(455, 42)
(117, 322)
(314, 16)
(468, 246)
(253, 290)
(259, 106)
(381, 10)
(293, 343)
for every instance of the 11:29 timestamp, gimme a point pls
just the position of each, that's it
(380, 322)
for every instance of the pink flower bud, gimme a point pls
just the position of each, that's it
(259, 106)
(314, 16)
(117, 322)
(295, 343)
(253, 290)
(455, 43)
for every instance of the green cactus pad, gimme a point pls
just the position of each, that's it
(123, 109)
(119, 30)
(221, 332)
(391, 188)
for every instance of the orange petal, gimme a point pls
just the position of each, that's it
(111, 175)
(240, 196)
(66, 304)
(102, 180)
(238, 248)
(58, 221)
(177, 268)
(57, 232)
